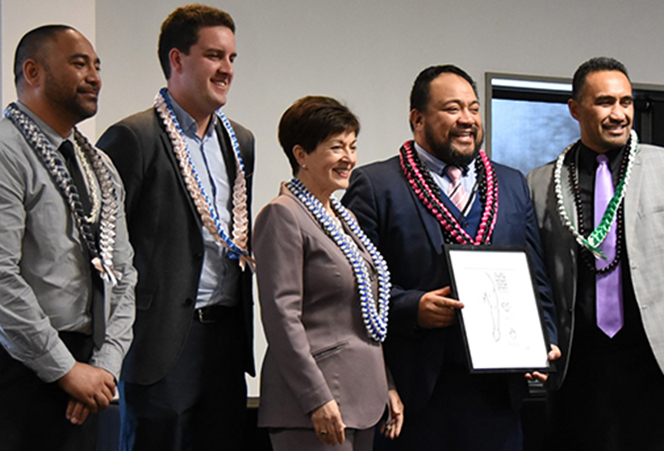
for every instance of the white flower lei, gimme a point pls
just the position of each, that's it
(375, 317)
(238, 246)
(101, 256)
(599, 234)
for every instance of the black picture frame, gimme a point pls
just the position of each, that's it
(502, 320)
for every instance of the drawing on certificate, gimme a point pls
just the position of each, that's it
(496, 297)
(500, 317)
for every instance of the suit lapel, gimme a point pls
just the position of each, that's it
(568, 194)
(360, 246)
(170, 154)
(632, 197)
(227, 152)
(567, 247)
(430, 223)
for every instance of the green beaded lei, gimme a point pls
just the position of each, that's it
(599, 234)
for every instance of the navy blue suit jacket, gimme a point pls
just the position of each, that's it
(411, 240)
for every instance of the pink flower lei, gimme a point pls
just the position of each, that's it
(429, 194)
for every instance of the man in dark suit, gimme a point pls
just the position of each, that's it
(610, 381)
(188, 170)
(442, 189)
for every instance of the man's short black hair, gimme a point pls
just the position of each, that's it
(31, 45)
(419, 95)
(597, 64)
(180, 30)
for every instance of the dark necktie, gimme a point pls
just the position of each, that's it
(608, 298)
(67, 151)
(97, 303)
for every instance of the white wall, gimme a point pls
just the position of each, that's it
(366, 53)
(19, 16)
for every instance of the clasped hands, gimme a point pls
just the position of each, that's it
(330, 428)
(437, 310)
(90, 388)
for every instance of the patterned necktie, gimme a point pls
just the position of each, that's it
(608, 295)
(457, 192)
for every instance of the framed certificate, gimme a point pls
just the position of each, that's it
(502, 317)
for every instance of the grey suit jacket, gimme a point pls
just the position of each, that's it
(644, 240)
(318, 347)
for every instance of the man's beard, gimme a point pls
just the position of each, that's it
(451, 155)
(72, 104)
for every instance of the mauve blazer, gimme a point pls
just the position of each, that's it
(318, 347)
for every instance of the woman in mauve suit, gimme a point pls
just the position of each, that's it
(324, 292)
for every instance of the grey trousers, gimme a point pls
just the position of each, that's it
(306, 440)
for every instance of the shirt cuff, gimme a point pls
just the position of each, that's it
(107, 358)
(51, 366)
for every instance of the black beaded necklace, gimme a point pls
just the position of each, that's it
(586, 255)
(427, 190)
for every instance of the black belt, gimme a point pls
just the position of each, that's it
(215, 313)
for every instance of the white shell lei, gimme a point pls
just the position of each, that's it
(92, 186)
(101, 257)
(599, 234)
(237, 247)
(374, 316)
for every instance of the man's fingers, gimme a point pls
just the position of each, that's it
(441, 300)
(445, 291)
(77, 412)
(102, 401)
(70, 409)
(445, 304)
(452, 303)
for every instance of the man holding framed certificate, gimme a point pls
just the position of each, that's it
(442, 189)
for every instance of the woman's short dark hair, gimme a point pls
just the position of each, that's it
(310, 121)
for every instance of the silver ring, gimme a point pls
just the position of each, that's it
(323, 432)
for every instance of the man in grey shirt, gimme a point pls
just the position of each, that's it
(66, 275)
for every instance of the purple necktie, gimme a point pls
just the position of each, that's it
(608, 296)
(457, 193)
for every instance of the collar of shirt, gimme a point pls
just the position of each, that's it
(53, 137)
(587, 161)
(188, 124)
(436, 166)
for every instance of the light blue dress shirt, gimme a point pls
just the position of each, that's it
(208, 160)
